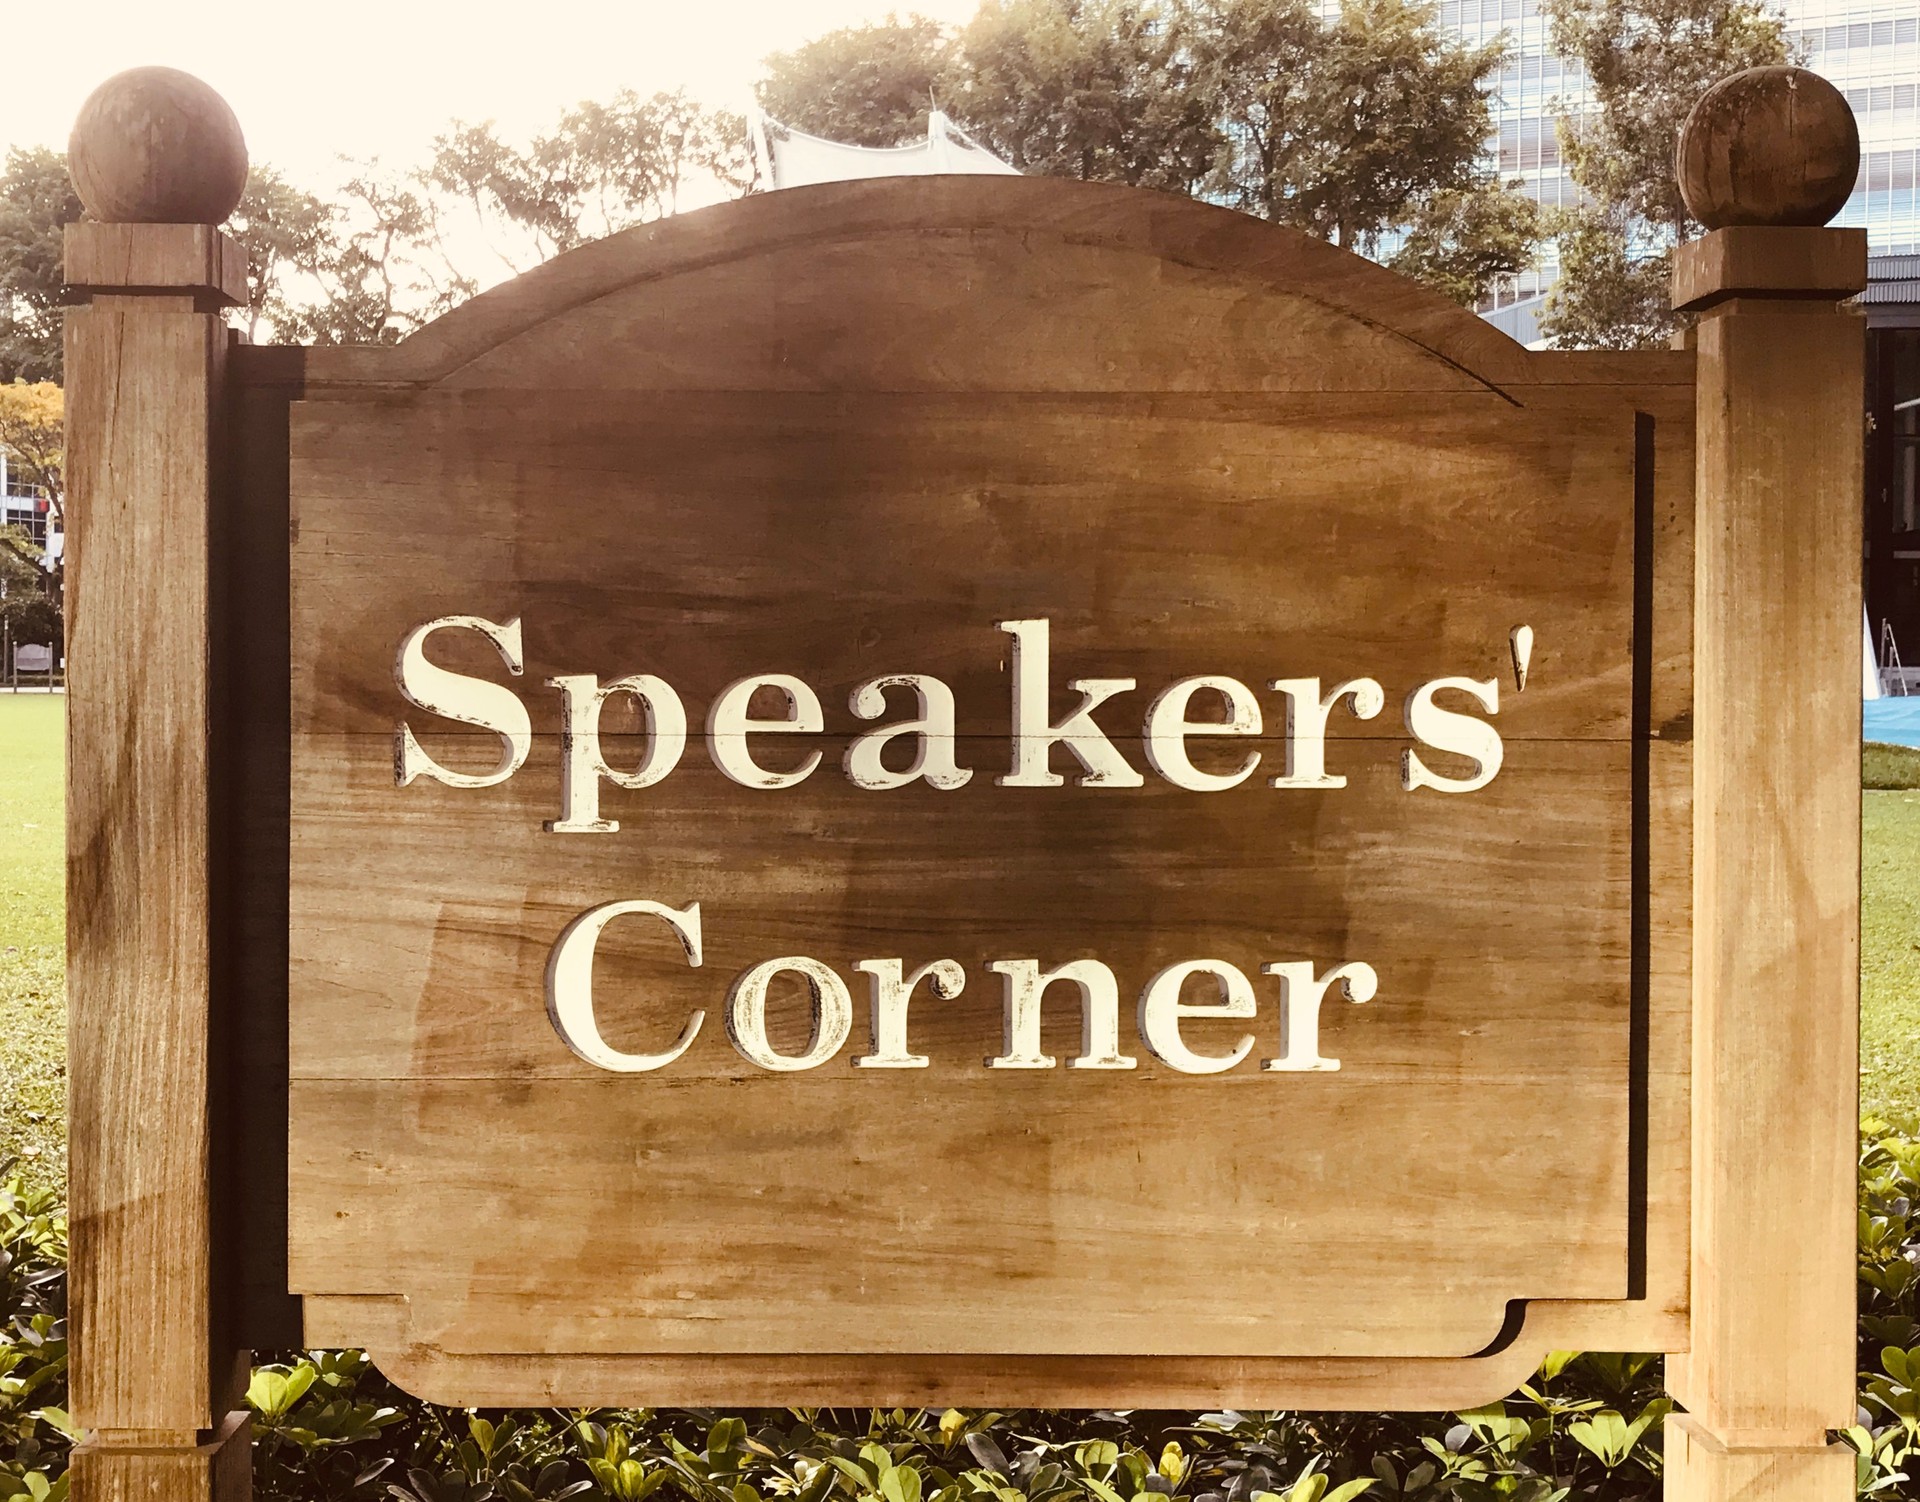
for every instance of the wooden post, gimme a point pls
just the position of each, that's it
(1765, 159)
(158, 157)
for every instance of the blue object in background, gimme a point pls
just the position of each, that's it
(1893, 721)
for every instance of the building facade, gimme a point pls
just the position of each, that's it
(1871, 52)
(1869, 49)
(22, 505)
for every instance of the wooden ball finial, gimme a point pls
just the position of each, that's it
(157, 146)
(1768, 146)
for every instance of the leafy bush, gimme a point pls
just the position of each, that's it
(1889, 768)
(329, 1428)
(35, 1433)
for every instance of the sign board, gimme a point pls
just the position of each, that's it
(996, 793)
(878, 772)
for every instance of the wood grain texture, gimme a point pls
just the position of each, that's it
(155, 145)
(842, 437)
(1768, 146)
(1128, 1380)
(141, 394)
(1762, 260)
(187, 257)
(219, 1470)
(1260, 538)
(1701, 1469)
(1777, 889)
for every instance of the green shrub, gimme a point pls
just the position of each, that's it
(34, 1431)
(1886, 767)
(329, 1428)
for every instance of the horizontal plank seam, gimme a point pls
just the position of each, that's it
(321, 389)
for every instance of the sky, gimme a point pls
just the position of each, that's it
(379, 78)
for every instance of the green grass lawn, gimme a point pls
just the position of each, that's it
(33, 916)
(1890, 955)
(33, 1014)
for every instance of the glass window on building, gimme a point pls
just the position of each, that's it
(13, 479)
(21, 504)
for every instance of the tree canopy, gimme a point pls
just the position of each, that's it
(390, 250)
(1101, 90)
(1367, 129)
(866, 85)
(32, 432)
(602, 168)
(1647, 62)
(36, 203)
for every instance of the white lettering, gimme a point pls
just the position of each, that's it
(1446, 730)
(570, 985)
(1168, 727)
(747, 1014)
(1161, 1011)
(891, 992)
(457, 696)
(933, 758)
(1300, 998)
(1034, 733)
(581, 763)
(729, 725)
(1307, 716)
(1099, 1015)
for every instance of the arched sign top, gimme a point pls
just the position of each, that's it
(953, 283)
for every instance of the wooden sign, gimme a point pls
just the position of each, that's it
(981, 792)
(975, 804)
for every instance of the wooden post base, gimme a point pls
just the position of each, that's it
(1701, 1469)
(221, 1470)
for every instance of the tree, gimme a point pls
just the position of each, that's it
(865, 85)
(36, 203)
(1353, 128)
(1101, 90)
(28, 611)
(1647, 62)
(1465, 242)
(33, 434)
(603, 168)
(380, 271)
(372, 263)
(286, 232)
(1367, 129)
(1608, 295)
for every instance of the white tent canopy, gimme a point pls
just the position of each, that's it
(788, 158)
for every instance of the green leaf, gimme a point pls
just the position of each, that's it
(57, 1418)
(272, 1394)
(1604, 1436)
(852, 1470)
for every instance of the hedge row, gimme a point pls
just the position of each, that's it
(328, 1428)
